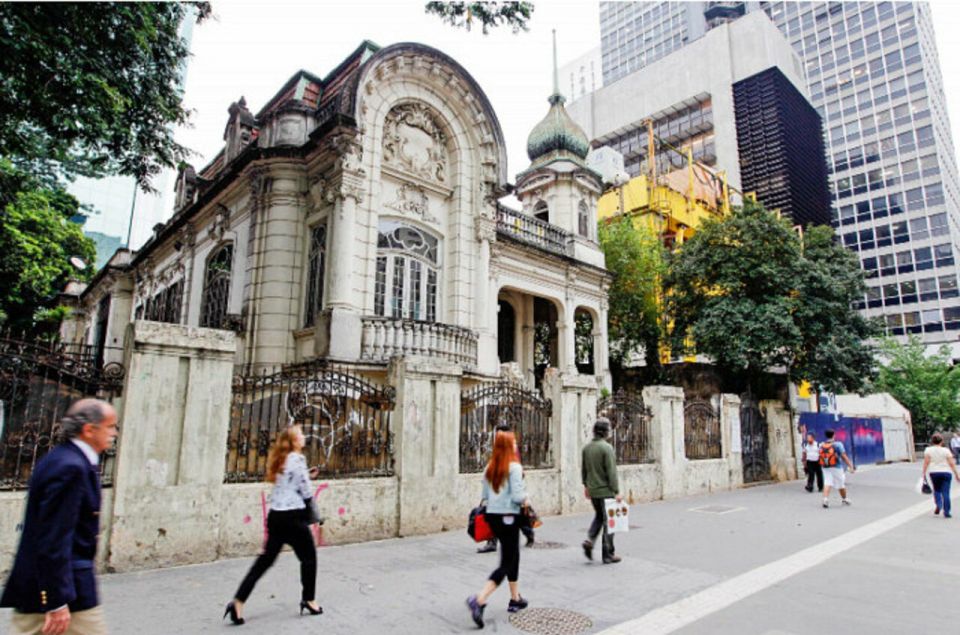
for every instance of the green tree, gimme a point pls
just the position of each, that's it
(635, 258)
(834, 354)
(927, 386)
(747, 293)
(92, 88)
(37, 240)
(516, 15)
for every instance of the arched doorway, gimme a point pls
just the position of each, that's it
(506, 332)
(583, 341)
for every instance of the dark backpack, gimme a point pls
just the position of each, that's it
(828, 455)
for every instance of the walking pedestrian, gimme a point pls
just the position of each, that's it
(505, 495)
(288, 523)
(832, 453)
(52, 586)
(941, 465)
(811, 462)
(955, 445)
(528, 532)
(599, 473)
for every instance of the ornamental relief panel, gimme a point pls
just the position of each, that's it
(413, 141)
(411, 200)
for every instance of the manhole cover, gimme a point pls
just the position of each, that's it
(717, 509)
(548, 621)
(546, 544)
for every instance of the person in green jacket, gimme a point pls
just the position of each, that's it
(599, 470)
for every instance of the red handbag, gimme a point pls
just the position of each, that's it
(477, 525)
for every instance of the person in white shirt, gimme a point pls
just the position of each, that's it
(811, 462)
(955, 445)
(938, 461)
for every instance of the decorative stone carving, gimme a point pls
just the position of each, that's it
(186, 188)
(240, 131)
(219, 224)
(412, 199)
(349, 152)
(413, 141)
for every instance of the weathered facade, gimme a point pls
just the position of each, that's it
(355, 218)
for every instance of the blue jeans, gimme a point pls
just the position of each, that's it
(940, 481)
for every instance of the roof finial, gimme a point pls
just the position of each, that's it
(556, 75)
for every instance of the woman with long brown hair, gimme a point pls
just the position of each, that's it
(288, 522)
(505, 495)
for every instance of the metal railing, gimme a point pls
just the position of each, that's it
(524, 411)
(533, 231)
(383, 338)
(345, 418)
(701, 430)
(38, 382)
(629, 426)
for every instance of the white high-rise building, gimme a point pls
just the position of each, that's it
(874, 76)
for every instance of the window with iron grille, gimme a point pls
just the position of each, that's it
(318, 257)
(407, 257)
(216, 288)
(165, 305)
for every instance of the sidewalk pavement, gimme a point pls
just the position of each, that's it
(675, 549)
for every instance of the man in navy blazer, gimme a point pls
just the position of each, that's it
(52, 586)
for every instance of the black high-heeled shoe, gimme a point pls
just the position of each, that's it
(231, 610)
(305, 606)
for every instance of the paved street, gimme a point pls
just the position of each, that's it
(745, 570)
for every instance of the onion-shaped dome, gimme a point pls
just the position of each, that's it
(557, 132)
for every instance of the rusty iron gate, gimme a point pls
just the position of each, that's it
(629, 426)
(38, 382)
(345, 418)
(701, 430)
(526, 412)
(755, 441)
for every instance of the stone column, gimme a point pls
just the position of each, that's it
(277, 306)
(427, 451)
(121, 312)
(566, 338)
(574, 400)
(339, 326)
(730, 434)
(170, 454)
(485, 304)
(666, 431)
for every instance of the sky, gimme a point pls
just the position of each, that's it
(252, 48)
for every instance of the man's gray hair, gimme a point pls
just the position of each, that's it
(81, 413)
(601, 427)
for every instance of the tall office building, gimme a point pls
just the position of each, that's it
(874, 77)
(744, 113)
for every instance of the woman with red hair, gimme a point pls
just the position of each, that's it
(505, 494)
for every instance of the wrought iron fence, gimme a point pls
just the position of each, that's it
(701, 430)
(629, 426)
(38, 382)
(525, 411)
(345, 418)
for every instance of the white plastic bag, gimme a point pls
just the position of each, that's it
(618, 516)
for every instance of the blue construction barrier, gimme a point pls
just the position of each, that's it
(861, 436)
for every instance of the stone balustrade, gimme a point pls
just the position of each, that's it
(533, 231)
(384, 338)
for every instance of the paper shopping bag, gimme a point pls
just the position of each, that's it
(617, 516)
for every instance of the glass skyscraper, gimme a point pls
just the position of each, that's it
(874, 76)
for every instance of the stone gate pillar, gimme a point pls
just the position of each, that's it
(172, 445)
(666, 431)
(574, 400)
(427, 452)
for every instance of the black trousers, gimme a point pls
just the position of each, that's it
(814, 469)
(509, 537)
(600, 524)
(285, 528)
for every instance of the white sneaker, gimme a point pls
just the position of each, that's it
(826, 503)
(844, 501)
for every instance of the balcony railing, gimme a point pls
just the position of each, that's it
(533, 231)
(384, 338)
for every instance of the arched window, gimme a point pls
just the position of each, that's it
(216, 288)
(407, 273)
(542, 212)
(583, 220)
(318, 258)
